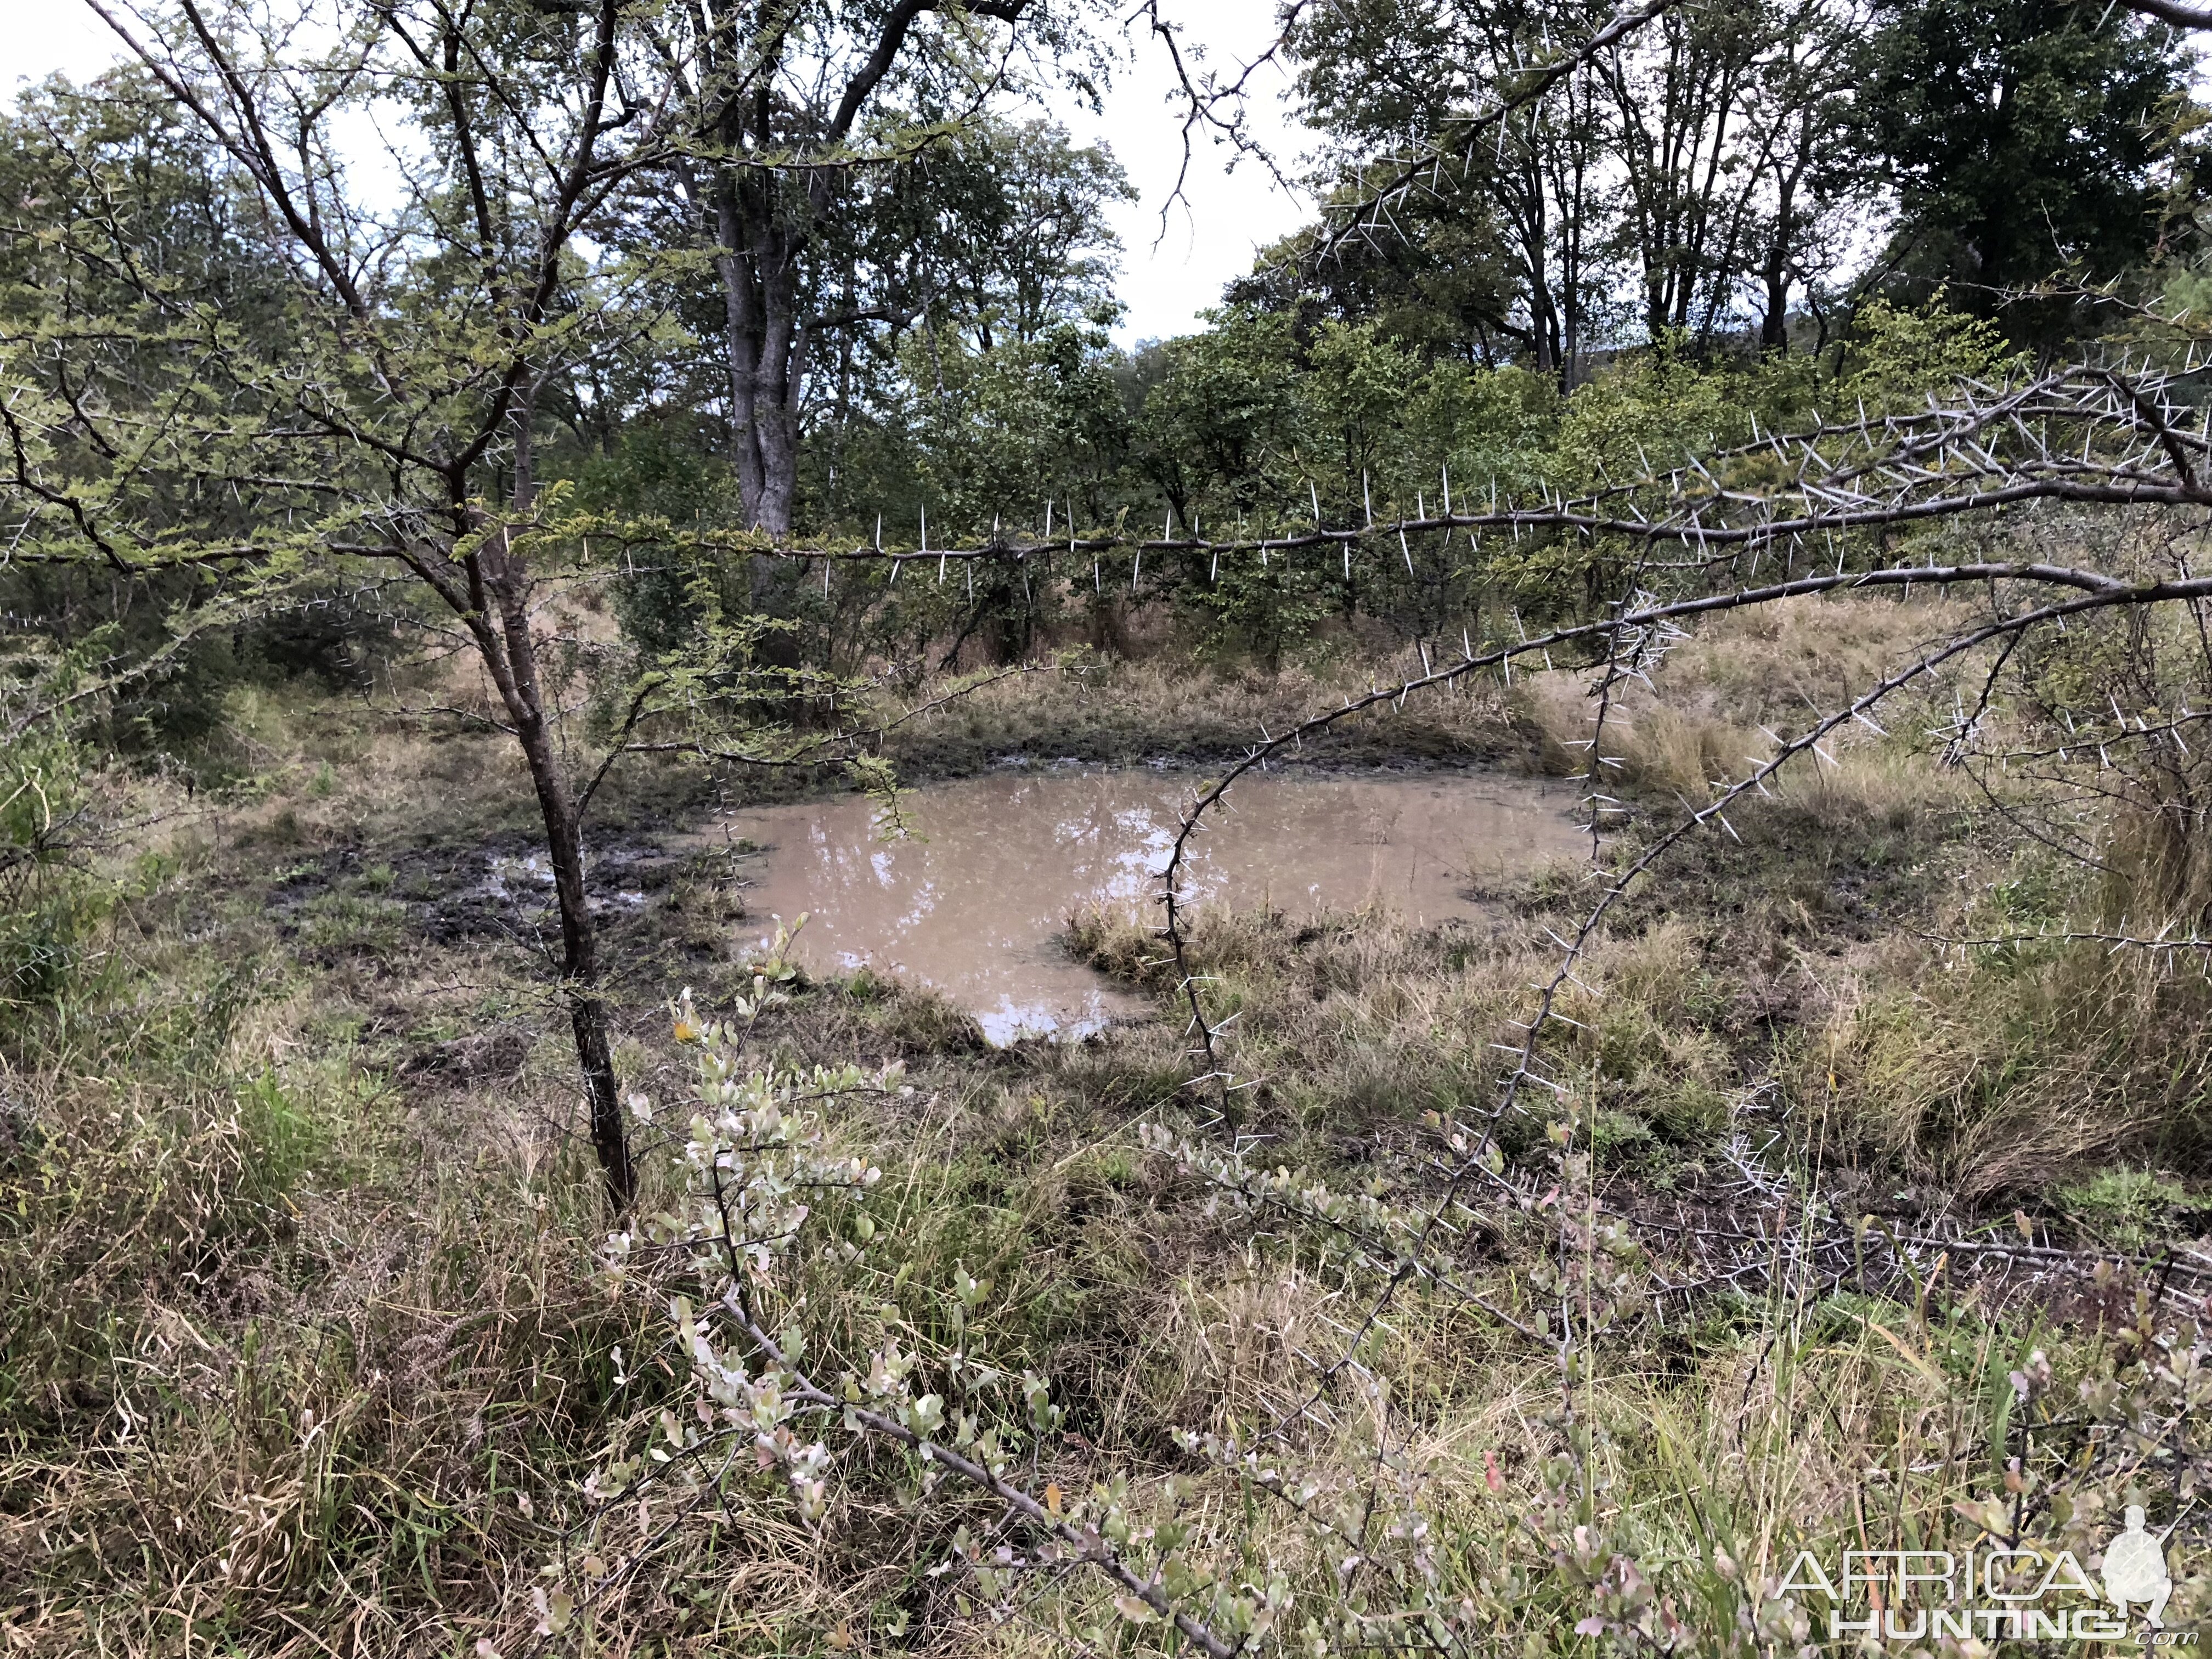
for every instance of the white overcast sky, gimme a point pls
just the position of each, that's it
(1170, 272)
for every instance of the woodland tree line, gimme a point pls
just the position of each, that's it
(853, 269)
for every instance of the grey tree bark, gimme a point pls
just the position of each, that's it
(762, 217)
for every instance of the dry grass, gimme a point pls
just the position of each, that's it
(1109, 709)
(1718, 702)
(300, 1306)
(2001, 1073)
(284, 1355)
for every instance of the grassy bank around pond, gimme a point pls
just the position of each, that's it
(308, 1348)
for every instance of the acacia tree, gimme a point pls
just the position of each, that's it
(378, 405)
(1810, 154)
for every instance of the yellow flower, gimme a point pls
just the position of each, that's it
(687, 1024)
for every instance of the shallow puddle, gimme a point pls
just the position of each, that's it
(973, 900)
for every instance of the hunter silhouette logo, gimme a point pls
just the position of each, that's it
(2135, 1570)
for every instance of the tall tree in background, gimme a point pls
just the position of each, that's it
(1381, 76)
(1006, 230)
(1675, 101)
(1447, 285)
(1685, 179)
(993, 232)
(995, 237)
(1717, 118)
(1811, 158)
(2024, 139)
(1708, 173)
(784, 101)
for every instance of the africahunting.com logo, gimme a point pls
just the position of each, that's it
(2001, 1593)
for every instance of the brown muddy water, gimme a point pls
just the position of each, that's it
(975, 900)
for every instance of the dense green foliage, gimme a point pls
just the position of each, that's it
(2029, 140)
(1638, 268)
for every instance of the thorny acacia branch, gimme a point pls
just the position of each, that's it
(1945, 462)
(2092, 435)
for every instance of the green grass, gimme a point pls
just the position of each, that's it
(2124, 1208)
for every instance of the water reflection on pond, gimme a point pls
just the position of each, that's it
(972, 903)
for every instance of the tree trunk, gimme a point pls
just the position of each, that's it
(580, 971)
(580, 968)
(499, 582)
(579, 940)
(1774, 327)
(765, 344)
(757, 261)
(1774, 324)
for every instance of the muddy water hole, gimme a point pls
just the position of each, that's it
(970, 887)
